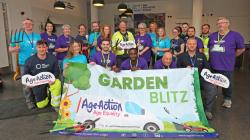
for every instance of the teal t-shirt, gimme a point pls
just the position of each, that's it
(162, 43)
(93, 37)
(79, 59)
(28, 45)
(152, 35)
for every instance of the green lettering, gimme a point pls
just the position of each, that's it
(138, 83)
(174, 95)
(161, 100)
(150, 82)
(126, 81)
(116, 83)
(104, 79)
(183, 99)
(161, 82)
(153, 97)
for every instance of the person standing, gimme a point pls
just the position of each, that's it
(224, 45)
(121, 36)
(93, 38)
(177, 43)
(62, 44)
(105, 34)
(82, 37)
(205, 38)
(161, 45)
(44, 62)
(25, 50)
(195, 59)
(184, 27)
(191, 34)
(49, 36)
(143, 42)
(152, 30)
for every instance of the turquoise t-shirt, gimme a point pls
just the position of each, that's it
(93, 37)
(162, 43)
(152, 35)
(79, 59)
(27, 47)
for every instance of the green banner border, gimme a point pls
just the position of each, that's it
(199, 103)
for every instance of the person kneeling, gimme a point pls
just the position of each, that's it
(105, 57)
(193, 58)
(44, 62)
(166, 62)
(134, 62)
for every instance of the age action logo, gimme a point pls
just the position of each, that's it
(39, 79)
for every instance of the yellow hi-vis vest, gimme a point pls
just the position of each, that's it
(205, 41)
(118, 37)
(55, 91)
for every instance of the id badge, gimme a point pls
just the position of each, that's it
(218, 48)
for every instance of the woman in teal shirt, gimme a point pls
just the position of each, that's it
(74, 54)
(161, 44)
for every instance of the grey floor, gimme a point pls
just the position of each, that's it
(231, 124)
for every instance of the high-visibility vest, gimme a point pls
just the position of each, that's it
(117, 37)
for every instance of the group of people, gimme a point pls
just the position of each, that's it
(151, 49)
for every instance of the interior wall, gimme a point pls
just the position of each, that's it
(181, 11)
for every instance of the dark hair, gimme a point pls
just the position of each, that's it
(191, 27)
(28, 19)
(206, 25)
(82, 25)
(41, 42)
(106, 39)
(178, 28)
(135, 49)
(49, 22)
(185, 23)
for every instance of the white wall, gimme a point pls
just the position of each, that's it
(181, 11)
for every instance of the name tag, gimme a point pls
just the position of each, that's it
(127, 44)
(218, 48)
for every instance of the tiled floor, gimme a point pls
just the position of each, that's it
(231, 124)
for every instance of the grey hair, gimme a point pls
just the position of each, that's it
(66, 26)
(142, 24)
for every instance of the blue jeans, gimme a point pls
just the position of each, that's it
(227, 92)
(29, 97)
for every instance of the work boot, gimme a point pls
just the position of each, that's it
(31, 105)
(227, 103)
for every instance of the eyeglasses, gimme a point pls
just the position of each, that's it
(221, 22)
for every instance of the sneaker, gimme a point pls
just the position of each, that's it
(227, 103)
(209, 115)
(31, 105)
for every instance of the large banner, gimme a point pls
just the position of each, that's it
(146, 103)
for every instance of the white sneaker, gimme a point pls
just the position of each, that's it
(227, 103)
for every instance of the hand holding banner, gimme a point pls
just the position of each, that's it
(216, 79)
(39, 79)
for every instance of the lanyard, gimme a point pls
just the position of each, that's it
(192, 61)
(32, 39)
(105, 61)
(125, 36)
(218, 39)
(136, 65)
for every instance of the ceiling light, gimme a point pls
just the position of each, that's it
(122, 7)
(98, 3)
(59, 5)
